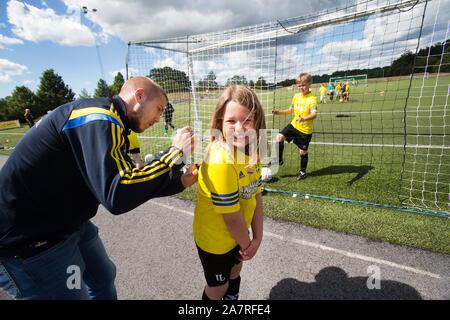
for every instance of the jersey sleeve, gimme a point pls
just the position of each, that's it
(98, 142)
(222, 182)
(135, 146)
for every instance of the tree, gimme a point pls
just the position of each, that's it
(52, 92)
(4, 109)
(170, 79)
(22, 98)
(261, 83)
(84, 94)
(102, 89)
(209, 82)
(117, 84)
(236, 79)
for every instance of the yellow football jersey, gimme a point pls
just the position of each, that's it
(134, 141)
(303, 106)
(224, 186)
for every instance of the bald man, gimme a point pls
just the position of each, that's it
(69, 163)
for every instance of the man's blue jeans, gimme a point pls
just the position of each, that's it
(77, 268)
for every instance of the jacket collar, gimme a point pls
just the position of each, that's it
(119, 105)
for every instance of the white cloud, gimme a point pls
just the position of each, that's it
(27, 82)
(140, 20)
(9, 69)
(7, 41)
(35, 24)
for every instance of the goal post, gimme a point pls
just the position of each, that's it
(354, 80)
(390, 138)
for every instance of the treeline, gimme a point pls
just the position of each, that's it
(51, 93)
(173, 80)
(430, 59)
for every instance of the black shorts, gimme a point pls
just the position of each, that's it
(300, 139)
(217, 267)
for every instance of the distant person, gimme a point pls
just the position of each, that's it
(339, 92)
(347, 92)
(168, 114)
(134, 149)
(343, 93)
(323, 93)
(300, 130)
(229, 198)
(331, 90)
(59, 174)
(28, 117)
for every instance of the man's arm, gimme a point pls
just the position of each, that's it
(98, 148)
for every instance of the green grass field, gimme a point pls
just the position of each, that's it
(357, 153)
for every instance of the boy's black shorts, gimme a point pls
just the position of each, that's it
(217, 267)
(300, 139)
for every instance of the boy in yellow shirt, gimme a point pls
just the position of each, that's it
(304, 107)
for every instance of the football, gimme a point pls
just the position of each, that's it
(266, 174)
(149, 158)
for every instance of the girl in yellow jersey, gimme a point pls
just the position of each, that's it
(229, 197)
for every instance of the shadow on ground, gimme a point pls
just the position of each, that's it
(360, 172)
(333, 283)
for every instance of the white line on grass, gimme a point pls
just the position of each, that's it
(324, 248)
(419, 146)
(14, 133)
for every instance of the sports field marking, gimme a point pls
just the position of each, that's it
(368, 145)
(382, 111)
(13, 133)
(419, 146)
(324, 248)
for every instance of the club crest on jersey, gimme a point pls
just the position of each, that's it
(241, 175)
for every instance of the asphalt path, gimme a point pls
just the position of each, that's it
(156, 259)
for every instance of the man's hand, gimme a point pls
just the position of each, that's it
(184, 140)
(300, 119)
(190, 176)
(275, 111)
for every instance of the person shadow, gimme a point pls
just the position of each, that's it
(360, 171)
(333, 283)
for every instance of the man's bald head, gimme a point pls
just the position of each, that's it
(144, 100)
(151, 89)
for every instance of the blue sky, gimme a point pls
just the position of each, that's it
(78, 65)
(36, 35)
